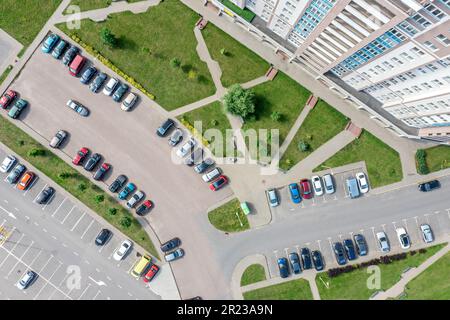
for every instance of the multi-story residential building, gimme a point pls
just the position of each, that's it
(393, 54)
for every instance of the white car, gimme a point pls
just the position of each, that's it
(403, 238)
(328, 184)
(427, 234)
(129, 101)
(362, 182)
(26, 280)
(8, 163)
(317, 185)
(110, 86)
(273, 198)
(186, 148)
(138, 196)
(122, 251)
(211, 175)
(383, 241)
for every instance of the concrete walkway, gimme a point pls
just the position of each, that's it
(254, 82)
(9, 49)
(236, 290)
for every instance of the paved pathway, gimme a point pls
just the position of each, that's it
(9, 49)
(236, 290)
(254, 82)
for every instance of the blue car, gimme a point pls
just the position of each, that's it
(130, 187)
(295, 193)
(283, 267)
(88, 74)
(50, 43)
(349, 249)
(59, 49)
(339, 253)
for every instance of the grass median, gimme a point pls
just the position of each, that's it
(438, 158)
(74, 183)
(229, 217)
(291, 290)
(86, 5)
(253, 273)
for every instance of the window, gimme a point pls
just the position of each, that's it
(421, 20)
(397, 61)
(430, 46)
(417, 51)
(406, 56)
(445, 41)
(435, 12)
(426, 85)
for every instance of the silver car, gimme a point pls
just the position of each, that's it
(78, 108)
(138, 196)
(186, 148)
(26, 280)
(383, 241)
(176, 137)
(58, 139)
(273, 198)
(129, 102)
(328, 184)
(174, 255)
(8, 163)
(427, 233)
(110, 86)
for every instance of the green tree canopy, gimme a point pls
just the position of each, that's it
(239, 101)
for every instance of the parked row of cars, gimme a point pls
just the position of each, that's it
(306, 260)
(357, 185)
(16, 108)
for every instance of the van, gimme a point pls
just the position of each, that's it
(76, 65)
(328, 184)
(352, 187)
(211, 175)
(140, 266)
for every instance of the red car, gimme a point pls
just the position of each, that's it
(144, 208)
(7, 98)
(218, 183)
(80, 156)
(151, 273)
(305, 189)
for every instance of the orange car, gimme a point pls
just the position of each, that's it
(26, 180)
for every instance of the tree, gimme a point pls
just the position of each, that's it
(112, 211)
(108, 37)
(239, 101)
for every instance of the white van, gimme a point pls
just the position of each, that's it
(212, 175)
(328, 184)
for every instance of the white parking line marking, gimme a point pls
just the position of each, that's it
(78, 221)
(65, 218)
(5, 201)
(48, 281)
(39, 253)
(60, 205)
(96, 295)
(85, 231)
(30, 186)
(85, 290)
(45, 265)
(10, 252)
(21, 257)
(49, 201)
(318, 244)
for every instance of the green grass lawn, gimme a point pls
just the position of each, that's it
(73, 182)
(291, 290)
(438, 158)
(322, 123)
(25, 18)
(382, 162)
(433, 283)
(253, 273)
(239, 64)
(147, 43)
(86, 5)
(224, 217)
(283, 95)
(5, 73)
(245, 13)
(353, 285)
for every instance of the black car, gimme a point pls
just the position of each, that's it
(165, 127)
(361, 245)
(295, 263)
(45, 195)
(120, 92)
(194, 158)
(92, 162)
(16, 173)
(118, 183)
(98, 81)
(317, 260)
(88, 74)
(339, 253)
(102, 237)
(306, 258)
(429, 186)
(349, 249)
(171, 244)
(70, 54)
(99, 174)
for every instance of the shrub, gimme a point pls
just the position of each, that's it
(192, 74)
(36, 152)
(239, 101)
(107, 37)
(65, 175)
(112, 211)
(125, 222)
(82, 187)
(223, 52)
(304, 146)
(421, 161)
(175, 63)
(276, 116)
(99, 198)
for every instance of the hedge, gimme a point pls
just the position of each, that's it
(421, 162)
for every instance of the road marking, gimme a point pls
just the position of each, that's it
(45, 186)
(85, 231)
(75, 225)
(45, 265)
(98, 282)
(65, 218)
(49, 201)
(58, 207)
(96, 295)
(36, 257)
(10, 214)
(21, 257)
(318, 243)
(48, 281)
(10, 253)
(76, 253)
(30, 186)
(5, 201)
(85, 290)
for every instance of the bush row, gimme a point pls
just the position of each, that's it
(421, 162)
(194, 131)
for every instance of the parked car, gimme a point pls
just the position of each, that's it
(110, 86)
(211, 175)
(273, 197)
(429, 186)
(16, 173)
(122, 250)
(202, 166)
(295, 193)
(98, 81)
(58, 139)
(174, 255)
(8, 163)
(218, 183)
(88, 74)
(328, 184)
(317, 260)
(118, 183)
(100, 173)
(103, 237)
(78, 108)
(144, 208)
(45, 195)
(427, 233)
(59, 49)
(194, 158)
(317, 185)
(383, 241)
(120, 92)
(129, 101)
(403, 238)
(70, 55)
(176, 137)
(138, 196)
(7, 98)
(50, 42)
(151, 273)
(362, 182)
(339, 253)
(92, 161)
(17, 108)
(352, 187)
(361, 245)
(306, 258)
(305, 189)
(186, 148)
(170, 245)
(129, 188)
(80, 156)
(295, 263)
(283, 267)
(349, 249)
(165, 127)
(26, 280)
(76, 65)
(26, 180)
